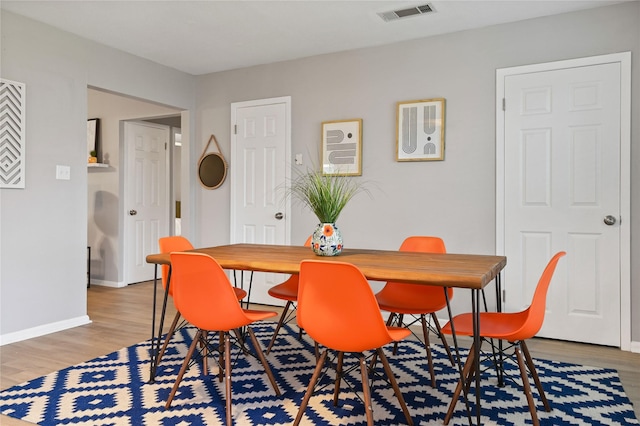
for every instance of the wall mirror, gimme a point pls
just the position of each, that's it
(212, 167)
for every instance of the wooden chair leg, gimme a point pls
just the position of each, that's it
(534, 373)
(263, 360)
(312, 384)
(467, 371)
(395, 344)
(227, 373)
(185, 364)
(366, 391)
(168, 337)
(336, 391)
(280, 322)
(394, 384)
(220, 356)
(427, 347)
(527, 387)
(444, 340)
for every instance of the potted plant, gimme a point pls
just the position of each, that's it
(326, 196)
(93, 157)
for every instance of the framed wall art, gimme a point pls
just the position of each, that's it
(341, 150)
(93, 134)
(13, 99)
(420, 130)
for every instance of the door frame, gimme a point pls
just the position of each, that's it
(235, 178)
(624, 59)
(125, 191)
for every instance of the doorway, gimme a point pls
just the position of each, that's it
(563, 183)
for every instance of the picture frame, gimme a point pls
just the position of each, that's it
(93, 132)
(420, 128)
(341, 147)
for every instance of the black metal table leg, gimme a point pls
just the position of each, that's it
(155, 340)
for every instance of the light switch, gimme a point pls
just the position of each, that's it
(298, 160)
(63, 172)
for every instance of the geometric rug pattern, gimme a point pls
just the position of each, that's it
(113, 390)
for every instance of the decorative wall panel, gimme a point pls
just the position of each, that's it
(12, 133)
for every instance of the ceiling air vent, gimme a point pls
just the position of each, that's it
(406, 13)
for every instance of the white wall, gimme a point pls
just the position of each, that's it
(43, 228)
(455, 198)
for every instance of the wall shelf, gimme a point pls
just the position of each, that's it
(97, 165)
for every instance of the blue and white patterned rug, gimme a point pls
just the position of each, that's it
(113, 390)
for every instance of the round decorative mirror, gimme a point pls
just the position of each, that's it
(212, 167)
(212, 170)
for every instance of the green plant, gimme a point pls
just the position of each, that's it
(325, 196)
(93, 154)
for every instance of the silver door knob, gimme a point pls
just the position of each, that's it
(609, 220)
(279, 216)
(133, 212)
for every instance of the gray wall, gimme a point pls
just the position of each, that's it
(455, 198)
(43, 232)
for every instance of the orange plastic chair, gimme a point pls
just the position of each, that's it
(288, 291)
(168, 245)
(337, 309)
(206, 299)
(417, 300)
(515, 328)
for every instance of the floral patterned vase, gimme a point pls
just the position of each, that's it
(326, 240)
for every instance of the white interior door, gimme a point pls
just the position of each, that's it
(146, 192)
(260, 170)
(562, 191)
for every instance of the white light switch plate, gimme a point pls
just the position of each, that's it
(298, 160)
(63, 172)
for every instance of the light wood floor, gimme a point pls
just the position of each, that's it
(122, 317)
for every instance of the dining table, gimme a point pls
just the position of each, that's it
(473, 272)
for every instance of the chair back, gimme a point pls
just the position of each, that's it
(203, 294)
(434, 294)
(168, 245)
(534, 314)
(337, 308)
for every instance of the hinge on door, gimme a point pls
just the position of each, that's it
(504, 296)
(165, 146)
(235, 129)
(504, 104)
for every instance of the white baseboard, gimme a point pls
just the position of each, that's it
(104, 283)
(41, 330)
(635, 347)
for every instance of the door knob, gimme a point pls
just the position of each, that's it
(133, 212)
(279, 216)
(609, 220)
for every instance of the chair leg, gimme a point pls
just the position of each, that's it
(185, 364)
(227, 373)
(394, 384)
(534, 373)
(467, 371)
(280, 322)
(168, 337)
(336, 391)
(444, 340)
(427, 347)
(263, 360)
(312, 384)
(527, 387)
(395, 344)
(366, 391)
(220, 355)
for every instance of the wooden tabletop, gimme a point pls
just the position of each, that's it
(450, 270)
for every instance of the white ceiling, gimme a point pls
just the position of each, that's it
(200, 37)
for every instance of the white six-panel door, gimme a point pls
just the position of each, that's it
(146, 205)
(562, 133)
(259, 209)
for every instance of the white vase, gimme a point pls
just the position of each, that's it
(326, 240)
